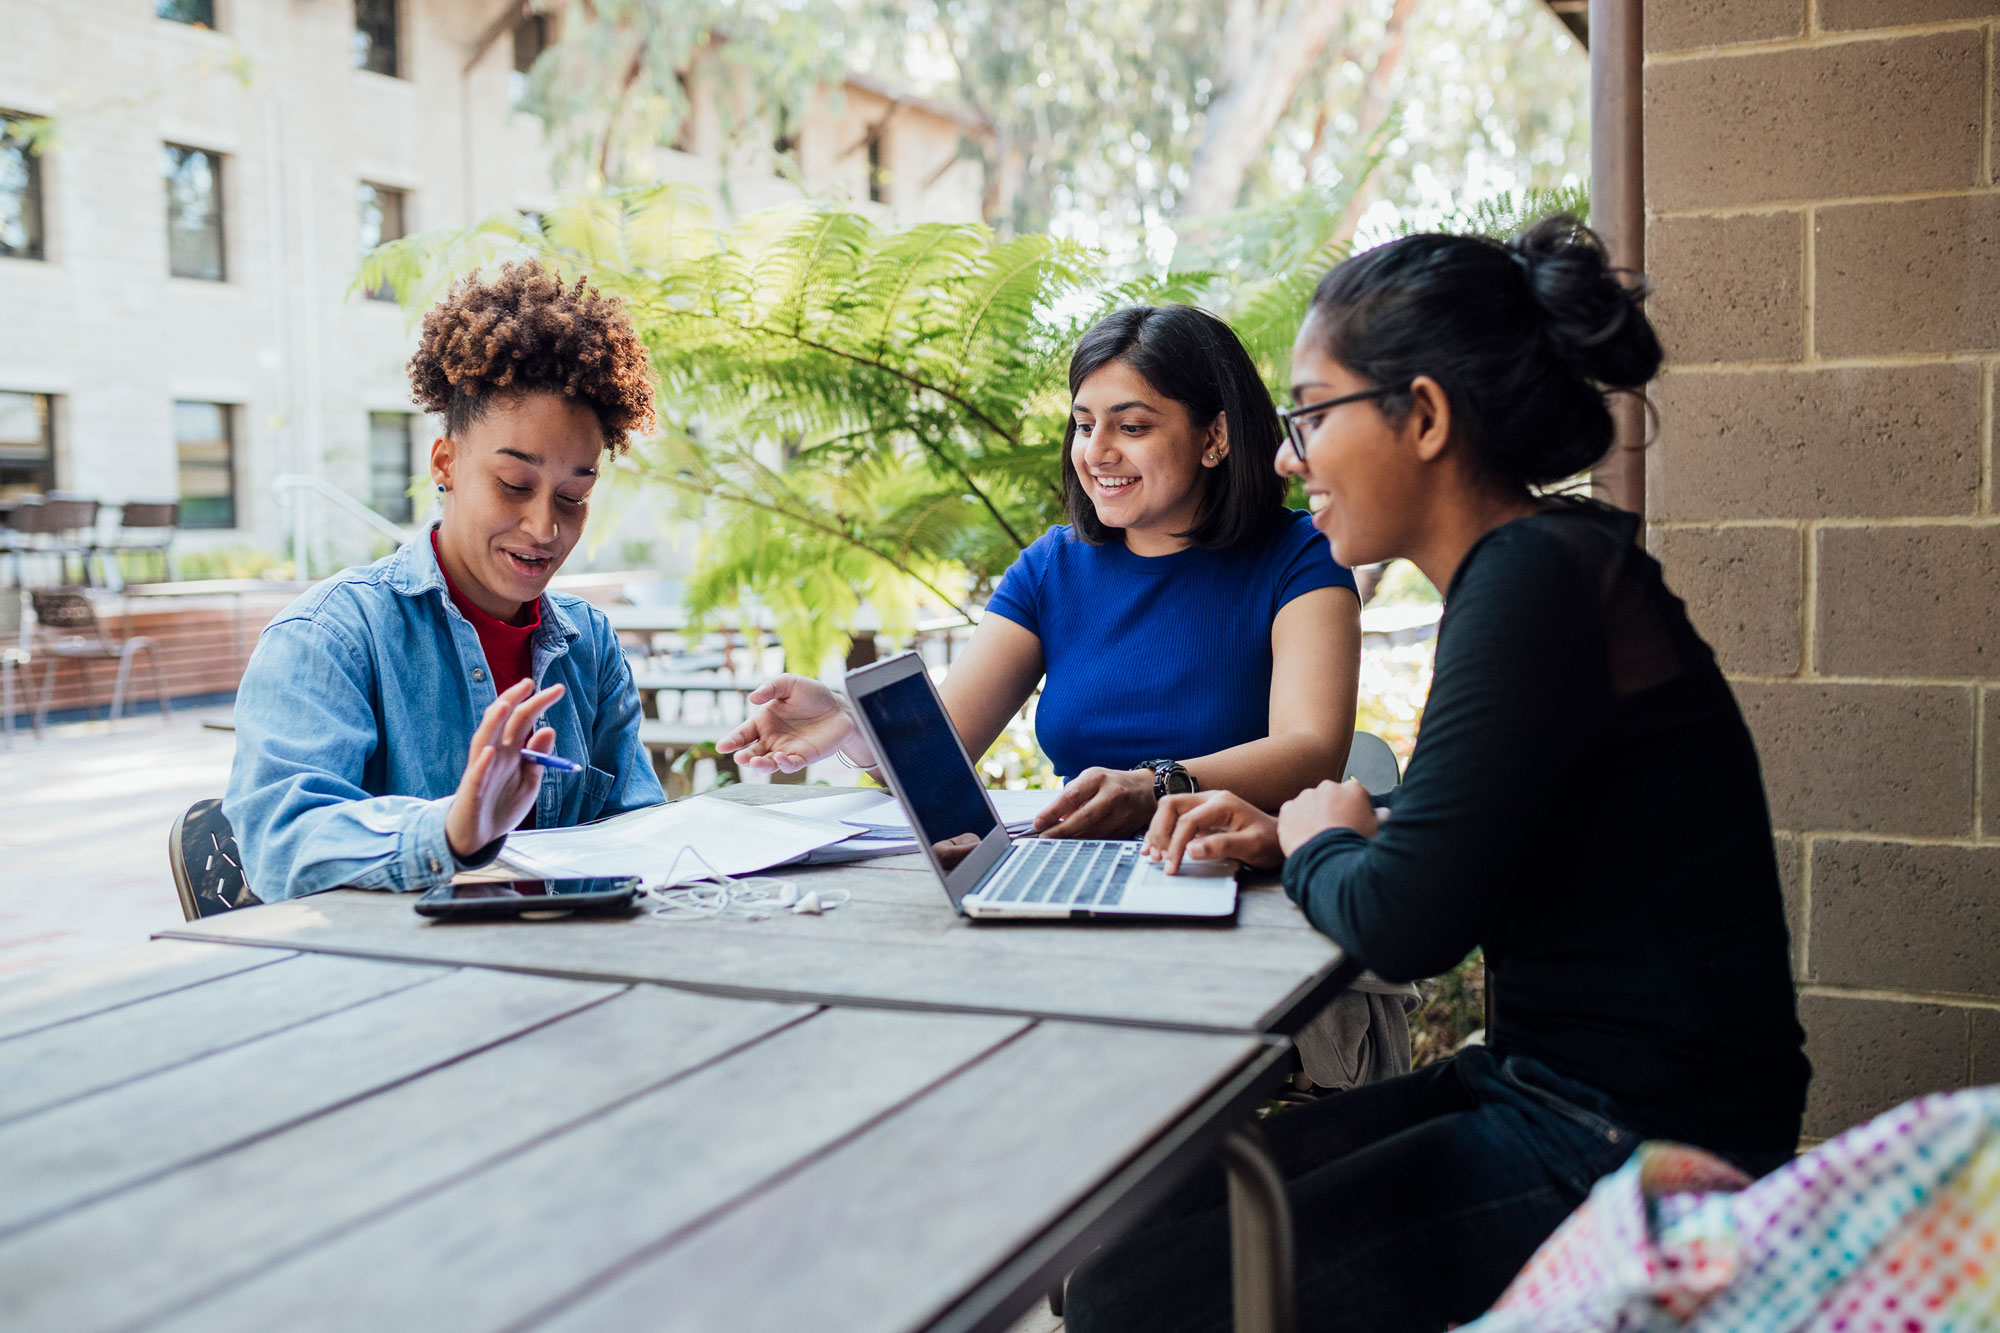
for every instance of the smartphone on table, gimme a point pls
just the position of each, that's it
(504, 902)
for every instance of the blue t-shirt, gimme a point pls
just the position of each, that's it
(1157, 657)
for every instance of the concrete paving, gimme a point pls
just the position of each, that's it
(84, 814)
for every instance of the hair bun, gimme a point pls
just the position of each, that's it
(1595, 321)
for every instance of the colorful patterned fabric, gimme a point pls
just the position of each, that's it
(1894, 1227)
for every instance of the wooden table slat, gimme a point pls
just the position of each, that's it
(59, 994)
(553, 1218)
(867, 951)
(879, 1234)
(201, 1228)
(56, 1064)
(113, 1140)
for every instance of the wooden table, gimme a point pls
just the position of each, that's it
(898, 946)
(222, 1138)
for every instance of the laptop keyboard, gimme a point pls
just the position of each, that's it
(1068, 872)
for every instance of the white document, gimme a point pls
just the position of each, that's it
(882, 816)
(661, 843)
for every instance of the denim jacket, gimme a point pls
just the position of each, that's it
(356, 712)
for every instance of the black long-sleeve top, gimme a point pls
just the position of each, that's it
(1585, 803)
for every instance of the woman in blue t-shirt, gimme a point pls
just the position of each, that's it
(1194, 632)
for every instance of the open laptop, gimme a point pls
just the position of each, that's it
(986, 874)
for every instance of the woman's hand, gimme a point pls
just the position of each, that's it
(1211, 826)
(799, 722)
(1329, 805)
(499, 787)
(1100, 803)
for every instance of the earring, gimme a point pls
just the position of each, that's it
(440, 486)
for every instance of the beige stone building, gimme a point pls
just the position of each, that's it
(177, 313)
(1824, 232)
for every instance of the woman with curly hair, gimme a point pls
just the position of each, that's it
(381, 723)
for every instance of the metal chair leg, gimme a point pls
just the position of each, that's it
(119, 682)
(48, 690)
(159, 683)
(1260, 1236)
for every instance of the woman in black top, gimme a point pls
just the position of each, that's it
(1584, 803)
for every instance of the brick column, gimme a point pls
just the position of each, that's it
(1824, 233)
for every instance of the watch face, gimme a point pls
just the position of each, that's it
(1177, 781)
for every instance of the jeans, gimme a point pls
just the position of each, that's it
(1414, 1202)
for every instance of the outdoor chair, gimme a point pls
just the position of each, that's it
(71, 525)
(14, 652)
(70, 632)
(144, 527)
(208, 869)
(27, 529)
(1372, 761)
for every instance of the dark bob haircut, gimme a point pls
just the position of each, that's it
(1525, 336)
(1195, 359)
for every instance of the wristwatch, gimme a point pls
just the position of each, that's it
(1169, 777)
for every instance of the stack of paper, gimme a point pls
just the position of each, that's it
(666, 844)
(884, 830)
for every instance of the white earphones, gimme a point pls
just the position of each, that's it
(714, 895)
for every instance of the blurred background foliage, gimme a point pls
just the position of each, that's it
(1114, 123)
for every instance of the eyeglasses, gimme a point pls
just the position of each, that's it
(1294, 417)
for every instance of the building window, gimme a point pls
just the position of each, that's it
(375, 37)
(391, 463)
(531, 38)
(382, 219)
(20, 192)
(27, 444)
(194, 213)
(201, 13)
(207, 455)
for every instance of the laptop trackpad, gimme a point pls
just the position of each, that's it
(1202, 888)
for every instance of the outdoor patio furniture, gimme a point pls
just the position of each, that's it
(71, 526)
(895, 945)
(207, 867)
(1371, 760)
(70, 632)
(145, 527)
(27, 534)
(14, 652)
(395, 1145)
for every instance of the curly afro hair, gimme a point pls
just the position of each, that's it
(525, 331)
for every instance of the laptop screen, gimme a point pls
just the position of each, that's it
(916, 738)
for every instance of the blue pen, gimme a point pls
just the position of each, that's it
(555, 761)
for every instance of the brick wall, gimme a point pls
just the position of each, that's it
(1824, 232)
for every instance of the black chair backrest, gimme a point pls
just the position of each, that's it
(30, 514)
(208, 869)
(149, 514)
(64, 611)
(68, 513)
